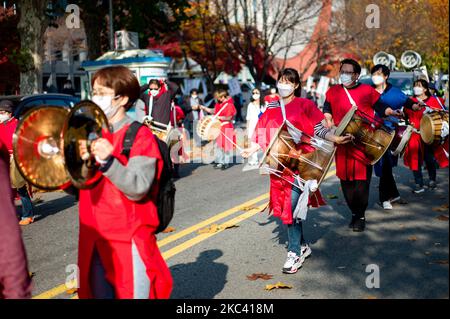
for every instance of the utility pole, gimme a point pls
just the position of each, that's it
(111, 27)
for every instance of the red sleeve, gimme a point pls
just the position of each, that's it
(374, 95)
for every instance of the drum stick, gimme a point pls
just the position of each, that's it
(231, 141)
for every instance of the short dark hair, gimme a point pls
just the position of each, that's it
(384, 69)
(194, 90)
(356, 66)
(121, 80)
(154, 81)
(292, 76)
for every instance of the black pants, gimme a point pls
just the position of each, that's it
(430, 163)
(387, 187)
(356, 194)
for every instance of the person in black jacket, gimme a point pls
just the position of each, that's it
(157, 103)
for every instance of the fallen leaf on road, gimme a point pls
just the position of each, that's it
(442, 208)
(439, 262)
(278, 285)
(443, 218)
(412, 238)
(370, 297)
(427, 253)
(31, 274)
(259, 276)
(332, 196)
(247, 208)
(437, 244)
(214, 228)
(341, 267)
(71, 291)
(168, 230)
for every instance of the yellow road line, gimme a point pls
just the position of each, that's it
(199, 238)
(211, 220)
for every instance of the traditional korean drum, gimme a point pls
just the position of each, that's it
(434, 127)
(372, 138)
(401, 139)
(208, 128)
(308, 158)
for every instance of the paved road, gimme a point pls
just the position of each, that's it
(409, 245)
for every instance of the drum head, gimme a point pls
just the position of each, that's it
(85, 123)
(427, 128)
(344, 122)
(406, 136)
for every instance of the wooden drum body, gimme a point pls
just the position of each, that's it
(434, 127)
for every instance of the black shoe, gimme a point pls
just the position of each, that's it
(224, 166)
(352, 222)
(359, 225)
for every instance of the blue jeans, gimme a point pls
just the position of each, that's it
(223, 157)
(295, 230)
(27, 205)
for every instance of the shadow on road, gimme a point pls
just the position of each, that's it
(202, 279)
(51, 207)
(409, 244)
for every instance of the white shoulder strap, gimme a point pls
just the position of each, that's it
(352, 102)
(150, 106)
(220, 111)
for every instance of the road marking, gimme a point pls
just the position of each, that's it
(191, 242)
(211, 220)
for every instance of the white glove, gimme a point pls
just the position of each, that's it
(147, 118)
(427, 110)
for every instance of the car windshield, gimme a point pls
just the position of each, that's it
(404, 83)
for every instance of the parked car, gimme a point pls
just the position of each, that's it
(402, 80)
(24, 103)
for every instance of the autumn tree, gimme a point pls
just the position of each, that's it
(421, 26)
(260, 30)
(9, 49)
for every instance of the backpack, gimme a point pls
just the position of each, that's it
(166, 195)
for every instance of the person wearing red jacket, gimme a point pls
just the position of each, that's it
(225, 110)
(8, 125)
(285, 193)
(15, 282)
(118, 256)
(352, 167)
(417, 151)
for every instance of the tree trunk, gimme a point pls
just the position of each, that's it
(93, 25)
(32, 25)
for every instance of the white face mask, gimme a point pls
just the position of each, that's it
(194, 96)
(4, 117)
(377, 79)
(346, 79)
(418, 90)
(154, 92)
(285, 89)
(105, 103)
(256, 96)
(273, 91)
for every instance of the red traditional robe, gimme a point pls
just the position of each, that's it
(414, 151)
(7, 130)
(303, 114)
(109, 221)
(227, 128)
(349, 166)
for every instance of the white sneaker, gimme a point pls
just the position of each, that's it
(292, 264)
(387, 205)
(306, 252)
